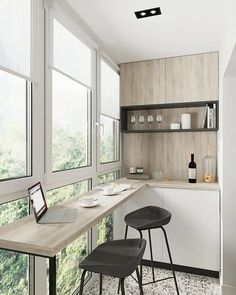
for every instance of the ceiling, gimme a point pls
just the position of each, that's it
(185, 27)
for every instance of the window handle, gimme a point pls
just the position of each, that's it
(97, 128)
(102, 128)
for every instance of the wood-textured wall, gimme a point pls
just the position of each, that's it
(169, 152)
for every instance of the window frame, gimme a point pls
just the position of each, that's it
(15, 188)
(42, 13)
(103, 168)
(58, 178)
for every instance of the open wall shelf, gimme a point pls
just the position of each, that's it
(171, 113)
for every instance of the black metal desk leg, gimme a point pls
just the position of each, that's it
(52, 276)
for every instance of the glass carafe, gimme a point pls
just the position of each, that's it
(209, 167)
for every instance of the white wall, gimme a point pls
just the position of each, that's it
(227, 140)
(229, 187)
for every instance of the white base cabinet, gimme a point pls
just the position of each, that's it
(194, 230)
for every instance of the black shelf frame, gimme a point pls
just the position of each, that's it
(125, 109)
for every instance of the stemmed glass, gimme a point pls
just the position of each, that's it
(159, 120)
(133, 121)
(141, 120)
(150, 120)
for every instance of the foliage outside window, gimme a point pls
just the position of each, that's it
(71, 100)
(68, 271)
(14, 267)
(105, 227)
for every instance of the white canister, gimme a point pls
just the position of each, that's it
(186, 121)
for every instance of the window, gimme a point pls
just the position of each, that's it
(71, 146)
(68, 271)
(105, 227)
(14, 267)
(110, 114)
(15, 131)
(71, 101)
(15, 91)
(15, 156)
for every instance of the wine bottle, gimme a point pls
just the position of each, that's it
(192, 170)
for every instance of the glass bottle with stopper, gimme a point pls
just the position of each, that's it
(209, 167)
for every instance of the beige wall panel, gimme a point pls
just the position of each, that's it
(169, 152)
(135, 151)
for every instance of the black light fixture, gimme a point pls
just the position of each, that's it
(148, 12)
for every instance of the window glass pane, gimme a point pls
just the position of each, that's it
(70, 55)
(68, 271)
(64, 193)
(14, 267)
(105, 227)
(71, 124)
(109, 140)
(14, 144)
(15, 35)
(110, 91)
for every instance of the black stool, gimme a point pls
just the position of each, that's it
(148, 218)
(118, 258)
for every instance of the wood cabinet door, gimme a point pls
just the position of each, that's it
(194, 229)
(192, 78)
(142, 83)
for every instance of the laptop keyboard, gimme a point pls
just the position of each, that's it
(54, 215)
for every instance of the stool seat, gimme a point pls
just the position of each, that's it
(148, 217)
(118, 258)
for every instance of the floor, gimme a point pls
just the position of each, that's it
(188, 285)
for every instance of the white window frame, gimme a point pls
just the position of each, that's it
(55, 179)
(116, 165)
(14, 189)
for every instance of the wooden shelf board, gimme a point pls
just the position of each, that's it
(170, 130)
(169, 105)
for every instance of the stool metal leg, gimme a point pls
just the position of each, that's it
(100, 290)
(126, 231)
(122, 283)
(152, 264)
(141, 263)
(171, 262)
(139, 282)
(82, 283)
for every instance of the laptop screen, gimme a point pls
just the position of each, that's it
(37, 200)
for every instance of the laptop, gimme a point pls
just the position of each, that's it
(43, 214)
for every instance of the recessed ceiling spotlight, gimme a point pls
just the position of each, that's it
(148, 12)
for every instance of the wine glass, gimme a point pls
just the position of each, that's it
(150, 120)
(133, 121)
(159, 120)
(141, 120)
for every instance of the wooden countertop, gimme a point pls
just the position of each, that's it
(25, 235)
(174, 184)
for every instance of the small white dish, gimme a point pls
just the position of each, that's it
(110, 194)
(94, 203)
